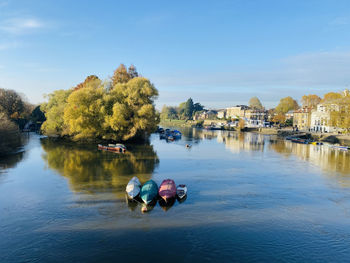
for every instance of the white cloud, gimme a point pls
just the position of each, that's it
(20, 25)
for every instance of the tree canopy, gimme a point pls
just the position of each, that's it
(331, 97)
(96, 111)
(255, 103)
(310, 100)
(185, 110)
(54, 110)
(90, 80)
(11, 103)
(286, 104)
(122, 75)
(189, 108)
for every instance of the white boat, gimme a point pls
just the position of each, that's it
(133, 188)
(181, 191)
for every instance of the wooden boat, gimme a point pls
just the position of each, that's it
(302, 141)
(181, 191)
(113, 147)
(133, 187)
(149, 191)
(167, 190)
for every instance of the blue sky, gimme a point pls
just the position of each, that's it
(220, 53)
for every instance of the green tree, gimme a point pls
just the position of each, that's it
(120, 75)
(134, 113)
(83, 113)
(37, 115)
(189, 108)
(197, 107)
(132, 72)
(340, 109)
(11, 103)
(10, 137)
(286, 104)
(255, 103)
(168, 112)
(54, 110)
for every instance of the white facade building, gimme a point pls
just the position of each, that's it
(320, 118)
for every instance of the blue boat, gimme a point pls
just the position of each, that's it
(149, 191)
(177, 134)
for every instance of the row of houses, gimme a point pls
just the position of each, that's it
(252, 117)
(317, 120)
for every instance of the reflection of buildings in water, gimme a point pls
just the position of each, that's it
(237, 142)
(330, 160)
(234, 141)
(91, 171)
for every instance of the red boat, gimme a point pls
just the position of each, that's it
(120, 148)
(167, 190)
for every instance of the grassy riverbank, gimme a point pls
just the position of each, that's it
(177, 123)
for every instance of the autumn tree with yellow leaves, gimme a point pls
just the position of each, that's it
(97, 111)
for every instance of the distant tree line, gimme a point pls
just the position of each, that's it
(120, 109)
(185, 110)
(15, 112)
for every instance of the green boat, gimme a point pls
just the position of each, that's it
(149, 191)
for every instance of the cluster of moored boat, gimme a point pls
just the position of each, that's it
(169, 135)
(149, 191)
(308, 141)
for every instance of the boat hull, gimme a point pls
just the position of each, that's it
(118, 149)
(149, 191)
(167, 190)
(181, 191)
(133, 188)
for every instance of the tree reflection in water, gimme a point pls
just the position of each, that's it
(92, 171)
(10, 161)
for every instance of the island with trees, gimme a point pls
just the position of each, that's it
(118, 110)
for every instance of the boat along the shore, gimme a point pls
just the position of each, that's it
(133, 188)
(167, 190)
(149, 191)
(302, 141)
(113, 147)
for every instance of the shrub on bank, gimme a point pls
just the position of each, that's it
(10, 138)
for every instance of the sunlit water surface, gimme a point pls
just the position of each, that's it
(251, 198)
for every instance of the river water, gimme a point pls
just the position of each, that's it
(251, 198)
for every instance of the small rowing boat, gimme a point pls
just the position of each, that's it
(302, 141)
(133, 188)
(181, 191)
(113, 147)
(167, 190)
(149, 191)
